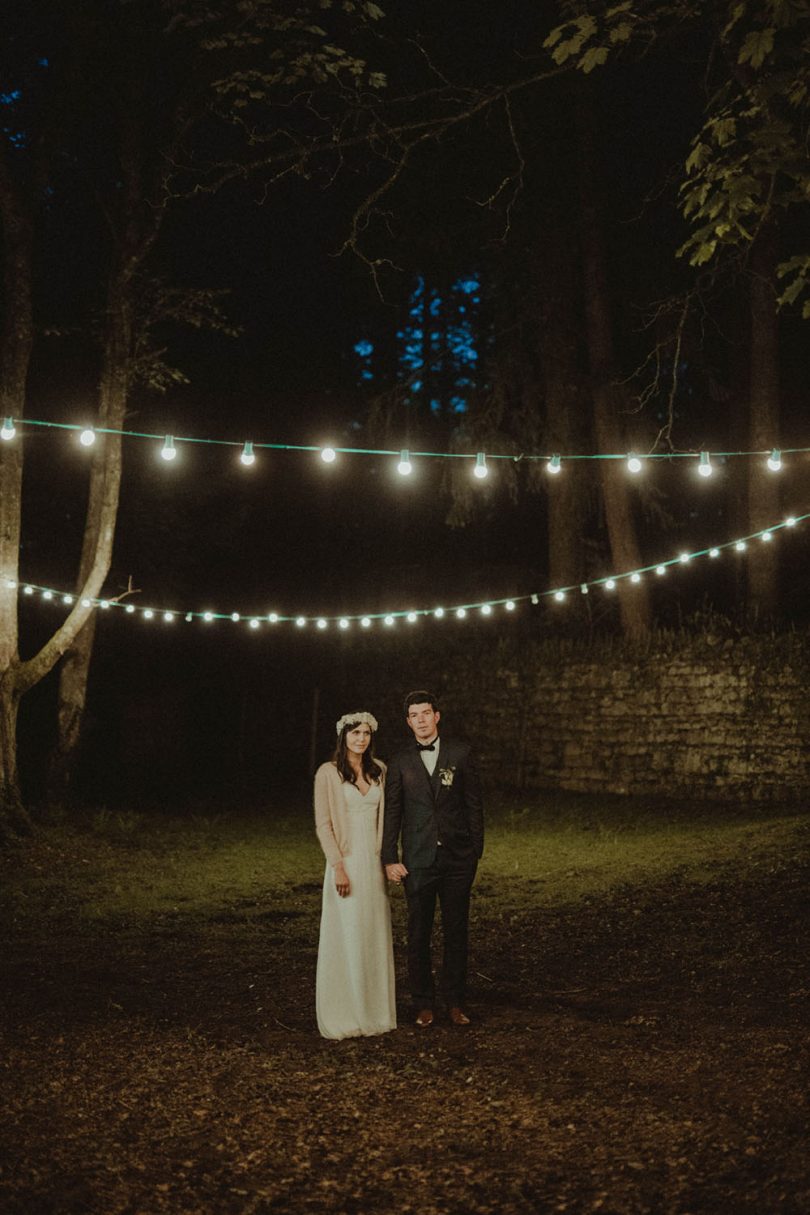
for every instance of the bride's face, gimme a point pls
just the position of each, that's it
(357, 740)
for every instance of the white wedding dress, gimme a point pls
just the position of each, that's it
(354, 986)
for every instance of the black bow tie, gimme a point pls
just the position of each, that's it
(426, 746)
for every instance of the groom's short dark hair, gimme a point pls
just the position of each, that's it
(420, 698)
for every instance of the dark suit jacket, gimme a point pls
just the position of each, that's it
(424, 809)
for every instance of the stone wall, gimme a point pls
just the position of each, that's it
(696, 718)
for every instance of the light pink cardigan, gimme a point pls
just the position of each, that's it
(331, 814)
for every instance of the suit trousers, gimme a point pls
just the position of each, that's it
(450, 880)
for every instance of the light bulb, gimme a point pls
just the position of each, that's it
(168, 616)
(273, 617)
(461, 613)
(328, 455)
(685, 558)
(774, 460)
(404, 468)
(389, 620)
(168, 450)
(47, 594)
(129, 609)
(247, 457)
(438, 613)
(554, 465)
(610, 585)
(300, 621)
(343, 623)
(584, 589)
(254, 624)
(486, 610)
(148, 614)
(322, 624)
(635, 577)
(633, 463)
(480, 469)
(660, 570)
(740, 546)
(705, 465)
(411, 617)
(714, 552)
(88, 437)
(559, 596)
(766, 537)
(366, 622)
(67, 600)
(208, 617)
(235, 617)
(510, 605)
(790, 521)
(8, 430)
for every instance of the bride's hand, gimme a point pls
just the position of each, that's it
(342, 883)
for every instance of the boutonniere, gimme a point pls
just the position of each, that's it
(447, 776)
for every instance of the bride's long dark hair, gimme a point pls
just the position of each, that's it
(371, 769)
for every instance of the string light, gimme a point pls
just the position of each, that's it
(389, 619)
(404, 468)
(635, 464)
(480, 469)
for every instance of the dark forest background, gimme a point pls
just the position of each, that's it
(308, 269)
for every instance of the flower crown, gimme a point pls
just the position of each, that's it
(349, 719)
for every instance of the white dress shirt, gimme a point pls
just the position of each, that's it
(431, 758)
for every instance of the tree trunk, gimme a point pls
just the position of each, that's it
(139, 225)
(16, 342)
(566, 404)
(102, 509)
(763, 485)
(634, 599)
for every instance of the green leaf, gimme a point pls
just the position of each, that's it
(756, 47)
(595, 57)
(698, 157)
(621, 32)
(553, 38)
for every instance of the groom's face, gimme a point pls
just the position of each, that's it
(423, 720)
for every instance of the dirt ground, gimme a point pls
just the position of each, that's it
(643, 1050)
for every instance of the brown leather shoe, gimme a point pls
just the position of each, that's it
(425, 1017)
(458, 1016)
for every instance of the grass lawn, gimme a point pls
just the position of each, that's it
(638, 983)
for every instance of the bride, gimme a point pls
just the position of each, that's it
(354, 987)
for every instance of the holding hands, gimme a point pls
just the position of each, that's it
(396, 872)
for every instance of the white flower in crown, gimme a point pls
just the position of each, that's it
(447, 775)
(350, 719)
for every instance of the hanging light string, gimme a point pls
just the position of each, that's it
(366, 620)
(554, 461)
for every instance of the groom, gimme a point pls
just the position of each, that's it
(433, 799)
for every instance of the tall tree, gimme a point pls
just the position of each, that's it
(185, 83)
